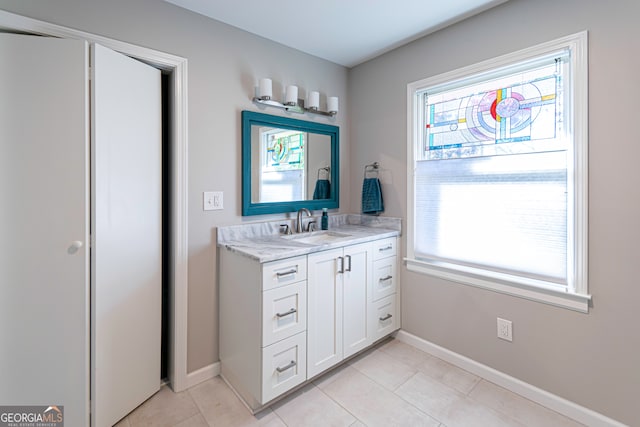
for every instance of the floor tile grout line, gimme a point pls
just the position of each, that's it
(421, 410)
(278, 416)
(195, 401)
(500, 411)
(340, 405)
(415, 371)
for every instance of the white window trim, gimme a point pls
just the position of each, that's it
(576, 299)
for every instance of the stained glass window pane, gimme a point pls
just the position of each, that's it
(519, 113)
(284, 151)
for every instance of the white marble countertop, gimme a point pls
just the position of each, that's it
(263, 242)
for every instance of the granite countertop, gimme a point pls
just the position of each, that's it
(263, 241)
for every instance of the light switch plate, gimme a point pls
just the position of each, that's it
(505, 329)
(212, 200)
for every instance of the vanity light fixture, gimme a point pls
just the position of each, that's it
(291, 98)
(314, 100)
(292, 102)
(265, 90)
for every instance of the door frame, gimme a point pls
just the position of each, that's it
(177, 68)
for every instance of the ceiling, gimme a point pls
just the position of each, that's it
(347, 32)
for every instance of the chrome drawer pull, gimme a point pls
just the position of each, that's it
(341, 269)
(348, 257)
(286, 368)
(386, 248)
(384, 279)
(287, 273)
(293, 310)
(387, 317)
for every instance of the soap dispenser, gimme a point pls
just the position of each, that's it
(324, 221)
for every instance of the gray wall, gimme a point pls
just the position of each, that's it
(591, 359)
(224, 66)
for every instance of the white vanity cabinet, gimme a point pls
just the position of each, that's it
(284, 322)
(263, 318)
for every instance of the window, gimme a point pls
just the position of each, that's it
(498, 194)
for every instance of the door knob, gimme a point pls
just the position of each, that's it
(75, 245)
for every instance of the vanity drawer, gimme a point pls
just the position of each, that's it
(284, 312)
(384, 248)
(284, 366)
(284, 272)
(384, 317)
(385, 278)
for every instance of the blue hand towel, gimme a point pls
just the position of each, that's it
(323, 189)
(372, 196)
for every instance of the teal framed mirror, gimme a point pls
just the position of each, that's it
(288, 164)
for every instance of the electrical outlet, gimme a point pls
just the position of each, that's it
(505, 329)
(212, 200)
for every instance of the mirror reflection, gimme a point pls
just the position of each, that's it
(292, 165)
(288, 164)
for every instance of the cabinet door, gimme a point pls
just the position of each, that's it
(324, 310)
(357, 275)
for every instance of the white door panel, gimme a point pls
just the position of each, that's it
(44, 208)
(357, 277)
(324, 311)
(127, 230)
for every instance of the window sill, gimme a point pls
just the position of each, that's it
(558, 298)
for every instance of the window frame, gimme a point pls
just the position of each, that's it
(576, 296)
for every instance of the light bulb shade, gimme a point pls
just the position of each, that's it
(291, 97)
(332, 104)
(314, 100)
(265, 90)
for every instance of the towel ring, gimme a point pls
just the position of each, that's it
(326, 170)
(372, 168)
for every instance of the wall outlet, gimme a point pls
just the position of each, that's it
(505, 329)
(212, 200)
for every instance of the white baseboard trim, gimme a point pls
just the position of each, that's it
(563, 406)
(203, 374)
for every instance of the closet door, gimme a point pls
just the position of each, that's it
(127, 230)
(44, 217)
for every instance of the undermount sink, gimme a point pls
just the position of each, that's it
(317, 237)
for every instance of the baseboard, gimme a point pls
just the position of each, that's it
(563, 406)
(203, 374)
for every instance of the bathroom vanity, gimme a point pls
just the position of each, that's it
(293, 306)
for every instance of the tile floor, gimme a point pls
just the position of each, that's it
(393, 384)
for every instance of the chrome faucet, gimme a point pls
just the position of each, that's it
(299, 221)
